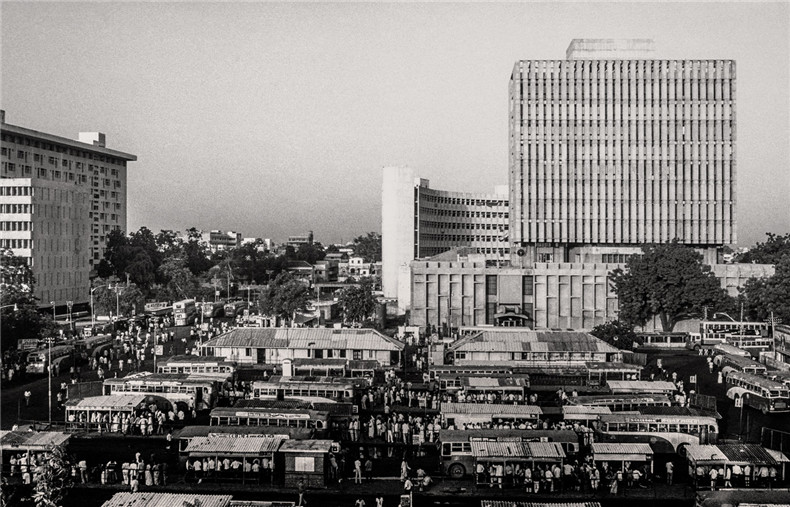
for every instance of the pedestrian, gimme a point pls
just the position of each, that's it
(369, 469)
(300, 490)
(379, 501)
(360, 502)
(404, 470)
(357, 472)
(714, 475)
(670, 472)
(28, 394)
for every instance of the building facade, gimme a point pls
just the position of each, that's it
(613, 148)
(419, 221)
(467, 292)
(59, 198)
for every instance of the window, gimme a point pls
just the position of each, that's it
(304, 464)
(357, 355)
(248, 352)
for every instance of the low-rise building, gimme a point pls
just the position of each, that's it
(273, 345)
(525, 347)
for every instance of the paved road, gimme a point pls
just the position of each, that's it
(12, 401)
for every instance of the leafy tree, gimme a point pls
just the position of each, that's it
(770, 252)
(19, 317)
(169, 243)
(285, 296)
(669, 281)
(761, 296)
(616, 333)
(179, 282)
(127, 299)
(368, 247)
(358, 302)
(52, 478)
(332, 249)
(196, 252)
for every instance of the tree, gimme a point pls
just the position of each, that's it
(368, 247)
(616, 333)
(285, 296)
(196, 252)
(358, 302)
(669, 281)
(126, 299)
(52, 478)
(179, 282)
(761, 296)
(769, 252)
(19, 317)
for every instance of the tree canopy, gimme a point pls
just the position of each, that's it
(285, 296)
(368, 247)
(52, 478)
(616, 333)
(357, 302)
(19, 316)
(770, 252)
(108, 298)
(761, 296)
(669, 281)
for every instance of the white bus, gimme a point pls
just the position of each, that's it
(665, 433)
(729, 363)
(184, 312)
(767, 396)
(38, 361)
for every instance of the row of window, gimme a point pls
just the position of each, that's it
(464, 225)
(456, 238)
(140, 388)
(16, 243)
(615, 258)
(463, 201)
(15, 226)
(16, 191)
(644, 427)
(35, 143)
(16, 208)
(463, 213)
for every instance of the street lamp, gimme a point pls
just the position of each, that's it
(93, 313)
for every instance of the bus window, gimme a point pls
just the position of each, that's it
(673, 428)
(633, 426)
(446, 450)
(684, 428)
(652, 427)
(694, 429)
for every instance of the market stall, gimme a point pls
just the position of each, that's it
(622, 456)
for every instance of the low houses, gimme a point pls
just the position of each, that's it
(526, 347)
(273, 345)
(306, 462)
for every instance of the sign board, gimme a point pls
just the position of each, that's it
(160, 350)
(739, 402)
(216, 293)
(693, 379)
(659, 363)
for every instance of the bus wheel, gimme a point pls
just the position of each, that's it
(456, 471)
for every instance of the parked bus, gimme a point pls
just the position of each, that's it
(765, 395)
(196, 364)
(665, 433)
(624, 402)
(663, 340)
(780, 376)
(456, 445)
(211, 310)
(159, 309)
(490, 415)
(184, 312)
(235, 308)
(186, 390)
(91, 343)
(38, 360)
(281, 417)
(304, 388)
(726, 348)
(729, 363)
(462, 370)
(742, 334)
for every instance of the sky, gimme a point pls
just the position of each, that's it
(276, 118)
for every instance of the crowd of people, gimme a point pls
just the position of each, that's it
(209, 468)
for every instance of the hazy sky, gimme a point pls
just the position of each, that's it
(276, 118)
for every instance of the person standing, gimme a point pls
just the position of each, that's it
(369, 469)
(670, 472)
(28, 394)
(357, 471)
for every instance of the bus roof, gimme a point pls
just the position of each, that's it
(757, 380)
(284, 413)
(741, 361)
(490, 408)
(606, 399)
(479, 434)
(650, 418)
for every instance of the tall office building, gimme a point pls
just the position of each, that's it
(59, 198)
(611, 149)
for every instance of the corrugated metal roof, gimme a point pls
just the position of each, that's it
(593, 410)
(779, 456)
(113, 402)
(704, 454)
(509, 503)
(306, 338)
(147, 499)
(749, 453)
(609, 448)
(306, 445)
(529, 450)
(640, 386)
(544, 450)
(490, 408)
(613, 366)
(204, 431)
(230, 445)
(477, 382)
(32, 440)
(530, 340)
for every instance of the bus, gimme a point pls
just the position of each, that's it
(235, 308)
(665, 433)
(93, 343)
(182, 390)
(211, 310)
(663, 340)
(780, 376)
(196, 364)
(184, 312)
(456, 445)
(159, 309)
(38, 360)
(742, 334)
(445, 371)
(281, 417)
(492, 389)
(490, 415)
(304, 388)
(765, 395)
(729, 363)
(623, 402)
(726, 348)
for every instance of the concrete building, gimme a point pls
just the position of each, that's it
(464, 290)
(300, 239)
(273, 345)
(219, 240)
(59, 198)
(611, 149)
(418, 221)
